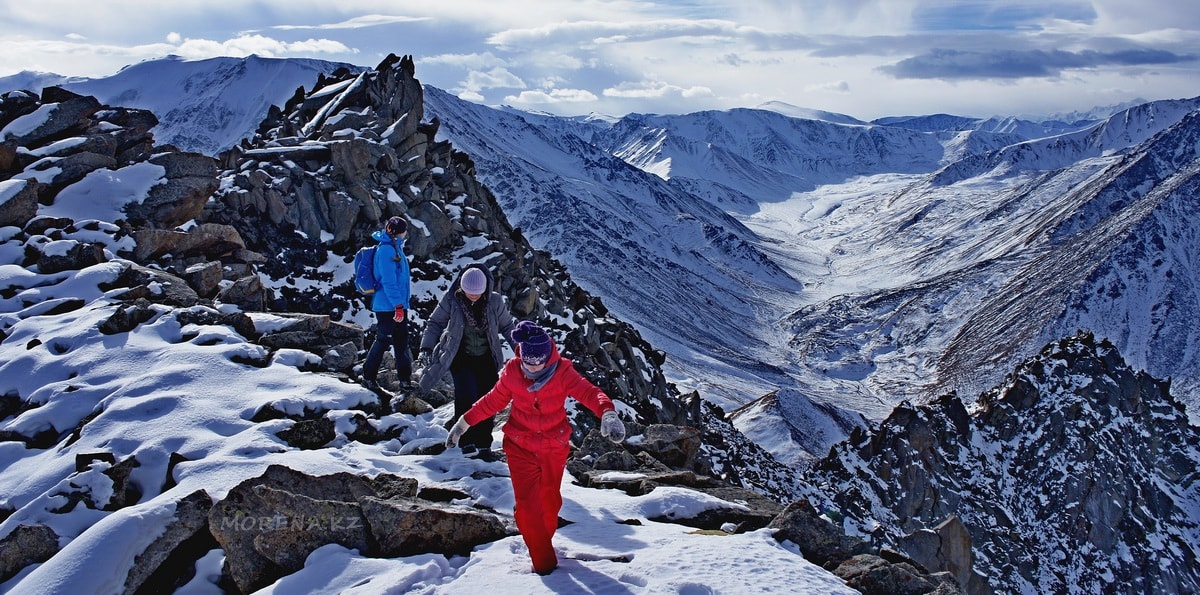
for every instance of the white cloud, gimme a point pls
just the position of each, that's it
(655, 90)
(471, 96)
(551, 97)
(592, 33)
(474, 61)
(258, 44)
(370, 20)
(831, 86)
(496, 78)
(694, 54)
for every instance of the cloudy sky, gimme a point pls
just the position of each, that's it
(864, 58)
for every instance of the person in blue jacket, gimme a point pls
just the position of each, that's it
(390, 305)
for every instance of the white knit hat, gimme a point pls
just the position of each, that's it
(474, 281)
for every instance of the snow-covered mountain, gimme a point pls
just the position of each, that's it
(656, 252)
(202, 105)
(780, 248)
(806, 271)
(906, 241)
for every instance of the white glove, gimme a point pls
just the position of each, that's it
(456, 432)
(611, 427)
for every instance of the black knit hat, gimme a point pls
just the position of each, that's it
(395, 226)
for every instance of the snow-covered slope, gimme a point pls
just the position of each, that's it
(178, 398)
(900, 235)
(663, 259)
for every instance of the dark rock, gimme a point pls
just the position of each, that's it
(309, 434)
(820, 541)
(71, 169)
(125, 491)
(238, 321)
(340, 358)
(310, 510)
(64, 116)
(748, 511)
(303, 524)
(246, 293)
(1087, 449)
(42, 224)
(22, 204)
(83, 461)
(675, 446)
(947, 548)
(406, 528)
(69, 255)
(25, 545)
(205, 278)
(237, 520)
(872, 575)
(209, 240)
(153, 285)
(127, 317)
(190, 180)
(190, 519)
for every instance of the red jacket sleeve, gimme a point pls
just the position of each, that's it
(581, 389)
(494, 401)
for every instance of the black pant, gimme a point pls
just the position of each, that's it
(474, 376)
(389, 333)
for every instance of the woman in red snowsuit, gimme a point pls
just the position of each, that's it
(537, 435)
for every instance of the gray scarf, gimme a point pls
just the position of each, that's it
(541, 377)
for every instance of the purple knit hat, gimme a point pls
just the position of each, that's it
(535, 345)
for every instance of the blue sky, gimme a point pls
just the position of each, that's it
(864, 58)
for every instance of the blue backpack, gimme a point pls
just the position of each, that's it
(364, 270)
(365, 279)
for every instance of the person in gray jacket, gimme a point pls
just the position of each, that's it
(462, 336)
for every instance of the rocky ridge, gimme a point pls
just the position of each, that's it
(1077, 474)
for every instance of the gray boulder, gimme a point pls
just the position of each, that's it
(18, 202)
(411, 526)
(191, 178)
(27, 544)
(190, 520)
(820, 541)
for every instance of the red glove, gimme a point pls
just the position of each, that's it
(399, 317)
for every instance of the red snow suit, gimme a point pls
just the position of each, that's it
(537, 440)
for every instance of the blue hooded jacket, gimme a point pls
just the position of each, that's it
(391, 266)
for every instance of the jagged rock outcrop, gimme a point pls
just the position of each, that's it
(58, 140)
(1071, 475)
(326, 169)
(867, 568)
(336, 161)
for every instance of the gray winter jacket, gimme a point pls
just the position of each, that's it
(444, 331)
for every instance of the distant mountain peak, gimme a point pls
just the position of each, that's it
(793, 111)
